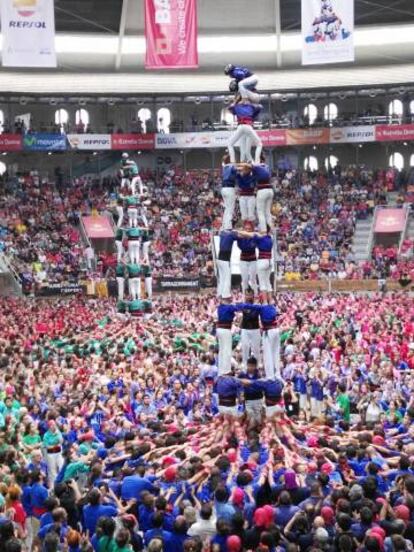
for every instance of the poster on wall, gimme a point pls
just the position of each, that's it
(327, 31)
(28, 29)
(171, 34)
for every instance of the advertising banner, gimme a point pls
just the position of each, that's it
(389, 133)
(389, 221)
(171, 34)
(38, 141)
(354, 134)
(28, 29)
(276, 137)
(178, 284)
(133, 141)
(193, 140)
(10, 142)
(307, 136)
(60, 289)
(98, 227)
(90, 142)
(327, 31)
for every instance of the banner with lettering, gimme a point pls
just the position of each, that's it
(327, 31)
(28, 29)
(171, 34)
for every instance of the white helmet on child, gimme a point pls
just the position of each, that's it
(125, 155)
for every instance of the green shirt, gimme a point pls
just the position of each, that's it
(31, 439)
(75, 468)
(119, 234)
(133, 270)
(105, 544)
(52, 439)
(344, 404)
(131, 201)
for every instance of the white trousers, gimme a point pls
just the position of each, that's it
(246, 137)
(244, 88)
(132, 217)
(247, 207)
(136, 181)
(229, 199)
(134, 286)
(54, 465)
(145, 251)
(119, 250)
(316, 407)
(248, 275)
(254, 409)
(121, 287)
(264, 269)
(224, 279)
(271, 353)
(264, 199)
(120, 212)
(250, 345)
(125, 183)
(224, 338)
(148, 287)
(133, 251)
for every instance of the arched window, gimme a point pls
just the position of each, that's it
(144, 115)
(311, 113)
(3, 168)
(397, 161)
(396, 108)
(82, 118)
(164, 120)
(330, 112)
(310, 163)
(331, 162)
(412, 107)
(412, 160)
(1, 121)
(61, 118)
(226, 117)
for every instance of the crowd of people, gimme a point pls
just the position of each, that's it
(315, 214)
(110, 437)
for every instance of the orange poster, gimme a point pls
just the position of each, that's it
(307, 136)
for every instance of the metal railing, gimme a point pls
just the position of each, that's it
(404, 231)
(16, 278)
(372, 231)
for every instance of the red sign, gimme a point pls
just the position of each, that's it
(171, 34)
(133, 141)
(10, 142)
(388, 221)
(275, 137)
(98, 227)
(388, 133)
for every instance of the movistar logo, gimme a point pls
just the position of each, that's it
(30, 140)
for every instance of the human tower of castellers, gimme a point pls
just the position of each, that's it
(254, 391)
(132, 241)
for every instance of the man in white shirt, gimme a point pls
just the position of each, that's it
(205, 527)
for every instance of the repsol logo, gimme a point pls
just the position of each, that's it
(162, 12)
(27, 24)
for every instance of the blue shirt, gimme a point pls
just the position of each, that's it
(165, 536)
(226, 241)
(246, 182)
(91, 514)
(246, 111)
(264, 243)
(133, 485)
(38, 495)
(224, 510)
(268, 314)
(228, 387)
(246, 245)
(226, 313)
(261, 173)
(228, 175)
(272, 388)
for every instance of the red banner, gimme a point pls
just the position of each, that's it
(10, 142)
(388, 133)
(133, 141)
(307, 136)
(98, 227)
(275, 137)
(171, 34)
(390, 220)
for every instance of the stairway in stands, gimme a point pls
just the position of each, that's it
(361, 239)
(9, 281)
